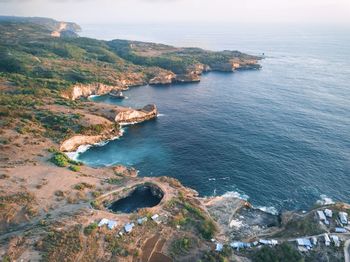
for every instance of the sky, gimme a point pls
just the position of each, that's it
(199, 11)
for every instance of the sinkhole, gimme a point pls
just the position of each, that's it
(142, 196)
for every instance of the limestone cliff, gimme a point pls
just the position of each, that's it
(130, 116)
(163, 78)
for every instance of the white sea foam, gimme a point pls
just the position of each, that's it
(271, 210)
(83, 148)
(75, 154)
(236, 195)
(325, 200)
(92, 96)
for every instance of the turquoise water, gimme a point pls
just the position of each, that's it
(280, 136)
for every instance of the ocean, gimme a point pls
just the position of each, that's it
(279, 136)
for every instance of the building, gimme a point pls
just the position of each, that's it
(268, 242)
(340, 230)
(321, 215)
(314, 241)
(155, 218)
(128, 227)
(343, 218)
(142, 220)
(104, 221)
(219, 247)
(328, 213)
(327, 241)
(238, 245)
(112, 224)
(336, 240)
(305, 242)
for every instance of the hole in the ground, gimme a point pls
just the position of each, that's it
(141, 197)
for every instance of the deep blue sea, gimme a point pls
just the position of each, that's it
(280, 135)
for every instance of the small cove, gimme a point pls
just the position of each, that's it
(279, 136)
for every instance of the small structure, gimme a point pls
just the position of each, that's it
(304, 242)
(274, 242)
(219, 247)
(321, 215)
(238, 245)
(327, 241)
(112, 224)
(343, 218)
(340, 230)
(328, 213)
(336, 240)
(314, 241)
(271, 242)
(128, 227)
(142, 220)
(104, 221)
(155, 218)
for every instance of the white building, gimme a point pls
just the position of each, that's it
(328, 213)
(343, 218)
(327, 241)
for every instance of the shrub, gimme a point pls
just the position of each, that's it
(60, 159)
(283, 252)
(207, 229)
(90, 228)
(74, 168)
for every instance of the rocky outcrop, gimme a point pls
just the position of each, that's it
(163, 78)
(74, 142)
(131, 116)
(81, 90)
(124, 171)
(187, 78)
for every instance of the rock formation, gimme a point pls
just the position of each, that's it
(130, 116)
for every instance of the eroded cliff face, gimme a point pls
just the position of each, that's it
(74, 142)
(131, 116)
(163, 78)
(86, 90)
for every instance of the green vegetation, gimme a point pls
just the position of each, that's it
(187, 215)
(280, 253)
(74, 168)
(223, 256)
(83, 185)
(182, 246)
(62, 160)
(90, 228)
(304, 226)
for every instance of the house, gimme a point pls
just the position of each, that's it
(314, 241)
(327, 241)
(340, 230)
(343, 218)
(271, 242)
(219, 247)
(104, 221)
(112, 224)
(238, 245)
(321, 215)
(274, 242)
(155, 218)
(304, 242)
(328, 213)
(336, 240)
(142, 220)
(128, 227)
